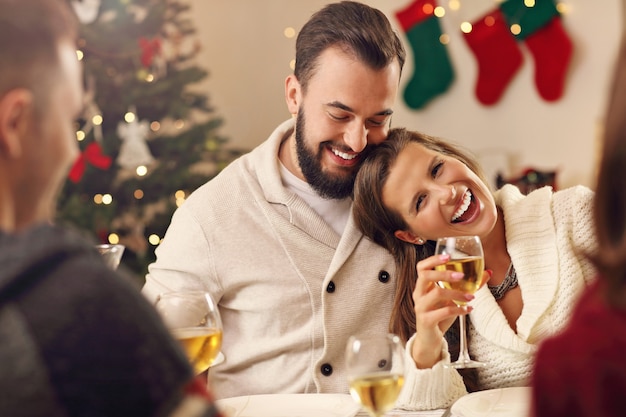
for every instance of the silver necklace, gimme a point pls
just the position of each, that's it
(510, 281)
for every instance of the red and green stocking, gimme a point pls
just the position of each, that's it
(432, 70)
(543, 33)
(498, 55)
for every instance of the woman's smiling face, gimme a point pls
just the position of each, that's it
(438, 195)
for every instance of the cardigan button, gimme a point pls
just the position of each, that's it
(331, 287)
(326, 369)
(383, 276)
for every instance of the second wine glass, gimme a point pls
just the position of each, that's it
(112, 254)
(466, 256)
(375, 371)
(194, 320)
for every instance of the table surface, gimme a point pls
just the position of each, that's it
(403, 413)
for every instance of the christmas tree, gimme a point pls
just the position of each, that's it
(147, 139)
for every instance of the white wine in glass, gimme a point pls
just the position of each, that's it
(194, 320)
(375, 371)
(466, 256)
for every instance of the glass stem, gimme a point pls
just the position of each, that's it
(463, 354)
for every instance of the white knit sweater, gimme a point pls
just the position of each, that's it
(543, 232)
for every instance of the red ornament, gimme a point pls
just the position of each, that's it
(92, 154)
(149, 48)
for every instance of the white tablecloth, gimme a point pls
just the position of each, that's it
(402, 413)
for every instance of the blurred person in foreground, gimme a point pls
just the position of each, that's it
(582, 371)
(272, 238)
(75, 338)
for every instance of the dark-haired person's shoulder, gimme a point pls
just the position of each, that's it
(88, 339)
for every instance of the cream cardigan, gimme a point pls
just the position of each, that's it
(290, 289)
(543, 231)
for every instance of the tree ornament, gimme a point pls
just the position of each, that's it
(92, 154)
(498, 55)
(432, 69)
(134, 150)
(86, 10)
(152, 58)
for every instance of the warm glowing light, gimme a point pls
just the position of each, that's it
(427, 8)
(138, 194)
(180, 197)
(97, 198)
(129, 117)
(97, 120)
(444, 39)
(289, 32)
(466, 27)
(155, 126)
(149, 77)
(79, 54)
(454, 4)
(179, 124)
(440, 11)
(292, 64)
(154, 239)
(516, 29)
(114, 239)
(107, 199)
(562, 8)
(490, 20)
(80, 135)
(529, 3)
(141, 170)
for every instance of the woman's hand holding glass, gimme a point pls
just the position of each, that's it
(435, 308)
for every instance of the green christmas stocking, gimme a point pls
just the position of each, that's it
(432, 70)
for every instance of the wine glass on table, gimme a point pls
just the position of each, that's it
(375, 367)
(466, 256)
(194, 320)
(112, 254)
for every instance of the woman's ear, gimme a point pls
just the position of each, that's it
(15, 114)
(292, 94)
(408, 237)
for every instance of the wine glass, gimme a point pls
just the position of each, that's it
(375, 367)
(112, 254)
(194, 320)
(466, 255)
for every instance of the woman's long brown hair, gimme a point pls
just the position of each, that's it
(379, 223)
(610, 198)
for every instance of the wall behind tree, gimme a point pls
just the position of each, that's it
(249, 55)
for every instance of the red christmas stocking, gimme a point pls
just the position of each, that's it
(497, 53)
(552, 50)
(432, 70)
(547, 41)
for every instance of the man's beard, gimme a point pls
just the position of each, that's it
(326, 185)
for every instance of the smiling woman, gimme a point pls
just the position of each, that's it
(412, 189)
